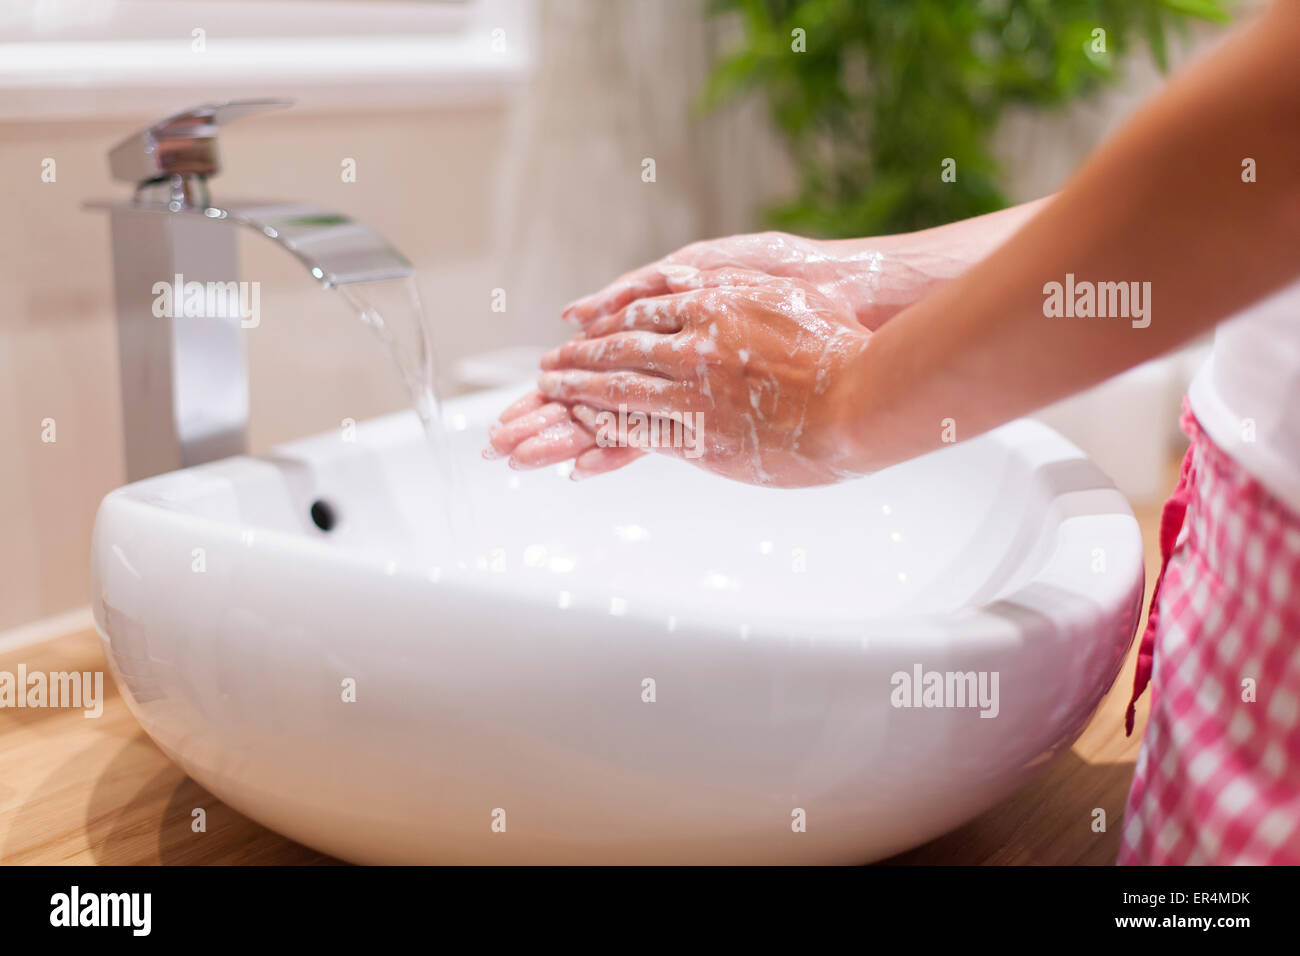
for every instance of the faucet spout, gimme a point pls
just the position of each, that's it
(184, 376)
(335, 249)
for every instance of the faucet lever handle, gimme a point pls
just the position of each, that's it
(183, 144)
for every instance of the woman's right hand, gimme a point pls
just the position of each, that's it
(535, 432)
(750, 376)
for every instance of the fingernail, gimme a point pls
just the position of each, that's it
(673, 270)
(551, 357)
(490, 453)
(577, 475)
(549, 383)
(585, 414)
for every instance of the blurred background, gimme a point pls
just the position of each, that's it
(502, 146)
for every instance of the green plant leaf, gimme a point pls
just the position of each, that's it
(886, 90)
(1210, 10)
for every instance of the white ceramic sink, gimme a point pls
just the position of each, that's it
(771, 623)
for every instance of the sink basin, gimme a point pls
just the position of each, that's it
(653, 666)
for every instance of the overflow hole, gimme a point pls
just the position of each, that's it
(322, 515)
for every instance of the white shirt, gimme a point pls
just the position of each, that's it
(1247, 395)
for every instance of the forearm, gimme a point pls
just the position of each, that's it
(958, 244)
(982, 350)
(884, 275)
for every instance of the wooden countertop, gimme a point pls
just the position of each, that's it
(77, 790)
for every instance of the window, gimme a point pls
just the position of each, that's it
(71, 58)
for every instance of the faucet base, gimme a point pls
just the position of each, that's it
(183, 378)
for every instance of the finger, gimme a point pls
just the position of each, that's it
(686, 279)
(656, 433)
(638, 284)
(552, 445)
(648, 281)
(639, 392)
(529, 403)
(504, 436)
(598, 461)
(664, 313)
(636, 351)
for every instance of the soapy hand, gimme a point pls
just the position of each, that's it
(740, 372)
(869, 279)
(852, 274)
(534, 433)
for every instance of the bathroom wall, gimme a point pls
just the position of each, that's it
(540, 195)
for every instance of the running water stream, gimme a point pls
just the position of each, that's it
(392, 308)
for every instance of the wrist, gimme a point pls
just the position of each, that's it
(881, 276)
(852, 399)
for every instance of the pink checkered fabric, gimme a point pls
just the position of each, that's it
(1218, 777)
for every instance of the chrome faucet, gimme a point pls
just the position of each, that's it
(184, 372)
